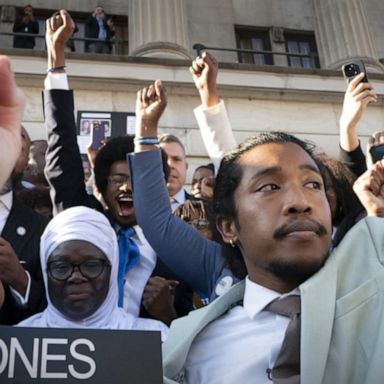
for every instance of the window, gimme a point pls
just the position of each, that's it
(301, 44)
(294, 49)
(256, 40)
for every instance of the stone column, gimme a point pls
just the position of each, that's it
(342, 33)
(158, 28)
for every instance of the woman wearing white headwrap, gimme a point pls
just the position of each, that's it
(79, 259)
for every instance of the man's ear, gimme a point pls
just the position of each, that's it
(227, 229)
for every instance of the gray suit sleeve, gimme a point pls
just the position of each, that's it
(191, 256)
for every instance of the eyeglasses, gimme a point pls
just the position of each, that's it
(199, 223)
(90, 269)
(118, 180)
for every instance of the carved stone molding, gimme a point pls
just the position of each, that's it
(158, 29)
(342, 33)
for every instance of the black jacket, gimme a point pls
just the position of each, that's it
(23, 230)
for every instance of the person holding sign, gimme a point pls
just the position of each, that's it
(79, 258)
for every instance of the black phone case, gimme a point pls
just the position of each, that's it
(352, 69)
(98, 135)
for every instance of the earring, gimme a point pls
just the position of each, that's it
(233, 245)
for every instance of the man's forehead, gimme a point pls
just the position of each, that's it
(277, 157)
(119, 167)
(173, 148)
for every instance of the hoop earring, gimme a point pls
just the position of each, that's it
(233, 245)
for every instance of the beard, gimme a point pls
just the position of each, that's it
(299, 271)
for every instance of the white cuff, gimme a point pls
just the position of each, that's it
(22, 300)
(216, 131)
(56, 81)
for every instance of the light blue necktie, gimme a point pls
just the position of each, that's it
(128, 257)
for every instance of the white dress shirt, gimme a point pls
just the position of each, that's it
(241, 345)
(216, 131)
(178, 199)
(6, 201)
(56, 81)
(137, 277)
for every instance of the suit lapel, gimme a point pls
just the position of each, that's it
(20, 229)
(15, 220)
(184, 331)
(318, 295)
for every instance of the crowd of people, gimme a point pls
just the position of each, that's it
(270, 270)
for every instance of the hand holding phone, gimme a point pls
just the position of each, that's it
(351, 70)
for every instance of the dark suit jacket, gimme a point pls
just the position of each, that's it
(188, 196)
(64, 169)
(27, 248)
(92, 29)
(30, 28)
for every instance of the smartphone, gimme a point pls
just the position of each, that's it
(351, 70)
(97, 134)
(377, 152)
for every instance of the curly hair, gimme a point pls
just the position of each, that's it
(114, 150)
(228, 179)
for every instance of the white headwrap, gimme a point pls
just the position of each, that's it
(82, 223)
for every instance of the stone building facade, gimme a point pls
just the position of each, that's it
(262, 91)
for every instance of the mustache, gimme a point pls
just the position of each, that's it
(299, 225)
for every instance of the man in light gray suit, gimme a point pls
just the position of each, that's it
(272, 211)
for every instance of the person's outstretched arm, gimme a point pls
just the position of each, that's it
(12, 102)
(369, 188)
(64, 170)
(195, 259)
(357, 97)
(211, 115)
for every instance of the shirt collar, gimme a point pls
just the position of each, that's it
(179, 197)
(257, 297)
(139, 234)
(7, 200)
